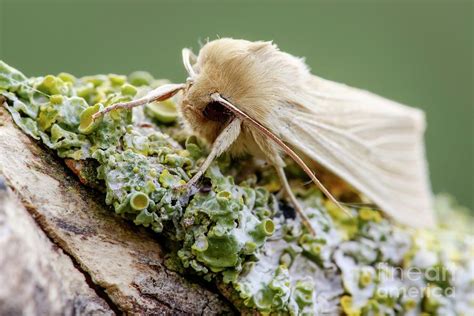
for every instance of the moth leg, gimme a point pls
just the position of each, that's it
(225, 139)
(272, 154)
(281, 144)
(286, 187)
(159, 94)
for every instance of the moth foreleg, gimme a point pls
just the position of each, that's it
(159, 94)
(225, 139)
(287, 189)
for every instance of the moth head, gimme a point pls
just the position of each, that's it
(226, 67)
(203, 115)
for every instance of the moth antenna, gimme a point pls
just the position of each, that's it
(353, 205)
(362, 205)
(243, 116)
(188, 55)
(356, 204)
(200, 42)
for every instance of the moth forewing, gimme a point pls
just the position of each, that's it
(373, 143)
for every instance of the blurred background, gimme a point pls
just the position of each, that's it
(416, 52)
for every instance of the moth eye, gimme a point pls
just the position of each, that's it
(215, 111)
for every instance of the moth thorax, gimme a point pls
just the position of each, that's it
(215, 111)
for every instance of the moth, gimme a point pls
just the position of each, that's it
(250, 97)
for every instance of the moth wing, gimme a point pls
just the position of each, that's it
(373, 143)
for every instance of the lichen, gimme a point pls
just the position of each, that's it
(239, 234)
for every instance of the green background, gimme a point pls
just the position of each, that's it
(416, 52)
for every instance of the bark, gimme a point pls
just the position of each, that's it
(76, 256)
(36, 277)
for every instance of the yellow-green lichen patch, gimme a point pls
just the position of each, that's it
(128, 89)
(139, 201)
(140, 78)
(163, 111)
(53, 85)
(56, 99)
(87, 122)
(117, 80)
(168, 180)
(47, 117)
(367, 214)
(267, 227)
(347, 307)
(66, 77)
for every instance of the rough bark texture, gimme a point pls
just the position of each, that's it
(36, 277)
(45, 263)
